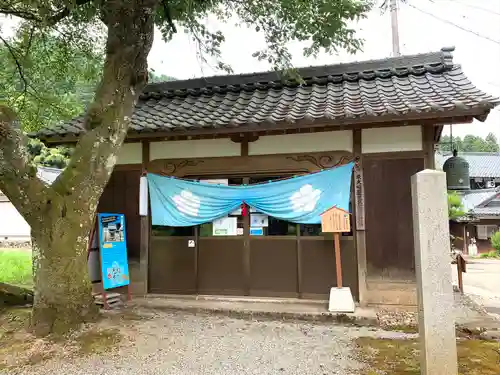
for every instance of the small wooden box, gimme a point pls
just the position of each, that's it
(335, 220)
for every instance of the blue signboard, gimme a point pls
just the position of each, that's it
(256, 231)
(113, 249)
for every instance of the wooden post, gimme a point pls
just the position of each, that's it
(338, 261)
(336, 221)
(465, 247)
(460, 279)
(145, 233)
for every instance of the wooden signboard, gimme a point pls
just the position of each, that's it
(335, 220)
(359, 195)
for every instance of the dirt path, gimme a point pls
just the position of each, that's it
(186, 344)
(482, 284)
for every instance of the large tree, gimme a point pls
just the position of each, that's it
(470, 143)
(62, 215)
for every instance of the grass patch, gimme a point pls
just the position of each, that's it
(16, 268)
(493, 254)
(98, 342)
(402, 357)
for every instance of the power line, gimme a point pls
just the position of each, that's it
(454, 24)
(471, 6)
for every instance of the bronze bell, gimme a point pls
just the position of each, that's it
(457, 173)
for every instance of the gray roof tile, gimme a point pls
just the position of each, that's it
(481, 203)
(403, 86)
(473, 198)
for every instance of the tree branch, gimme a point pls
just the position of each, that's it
(65, 12)
(124, 75)
(51, 20)
(18, 64)
(166, 10)
(18, 179)
(21, 14)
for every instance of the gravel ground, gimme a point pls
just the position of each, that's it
(179, 343)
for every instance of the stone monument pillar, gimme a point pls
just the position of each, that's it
(434, 283)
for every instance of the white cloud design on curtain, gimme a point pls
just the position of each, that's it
(187, 203)
(305, 199)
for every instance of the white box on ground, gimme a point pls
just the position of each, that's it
(341, 300)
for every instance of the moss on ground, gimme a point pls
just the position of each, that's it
(13, 319)
(18, 347)
(402, 357)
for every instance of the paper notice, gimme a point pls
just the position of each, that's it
(225, 226)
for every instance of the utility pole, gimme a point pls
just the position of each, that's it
(393, 5)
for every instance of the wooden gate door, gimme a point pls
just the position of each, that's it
(389, 218)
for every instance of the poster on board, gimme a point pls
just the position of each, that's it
(259, 220)
(225, 226)
(113, 250)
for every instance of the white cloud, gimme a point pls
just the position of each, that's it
(305, 199)
(187, 203)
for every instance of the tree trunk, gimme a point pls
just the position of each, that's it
(63, 292)
(62, 295)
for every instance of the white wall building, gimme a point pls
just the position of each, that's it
(13, 227)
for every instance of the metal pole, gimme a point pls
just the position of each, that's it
(395, 27)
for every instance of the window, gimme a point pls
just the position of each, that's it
(484, 232)
(164, 231)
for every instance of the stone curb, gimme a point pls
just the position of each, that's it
(347, 319)
(335, 318)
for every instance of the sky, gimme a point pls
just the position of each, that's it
(424, 26)
(419, 33)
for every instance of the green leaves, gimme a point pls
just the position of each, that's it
(48, 78)
(455, 207)
(322, 23)
(470, 143)
(56, 157)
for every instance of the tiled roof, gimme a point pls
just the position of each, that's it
(473, 198)
(481, 164)
(406, 87)
(485, 212)
(481, 203)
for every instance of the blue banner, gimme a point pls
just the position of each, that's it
(113, 249)
(302, 199)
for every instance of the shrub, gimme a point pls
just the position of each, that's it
(495, 242)
(491, 254)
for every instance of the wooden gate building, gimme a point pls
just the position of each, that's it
(385, 115)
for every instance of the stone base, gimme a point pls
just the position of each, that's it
(391, 292)
(341, 300)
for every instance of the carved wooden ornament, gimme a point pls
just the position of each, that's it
(335, 220)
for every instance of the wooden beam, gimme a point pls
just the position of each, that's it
(395, 155)
(246, 246)
(428, 146)
(244, 147)
(299, 261)
(145, 154)
(145, 228)
(359, 212)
